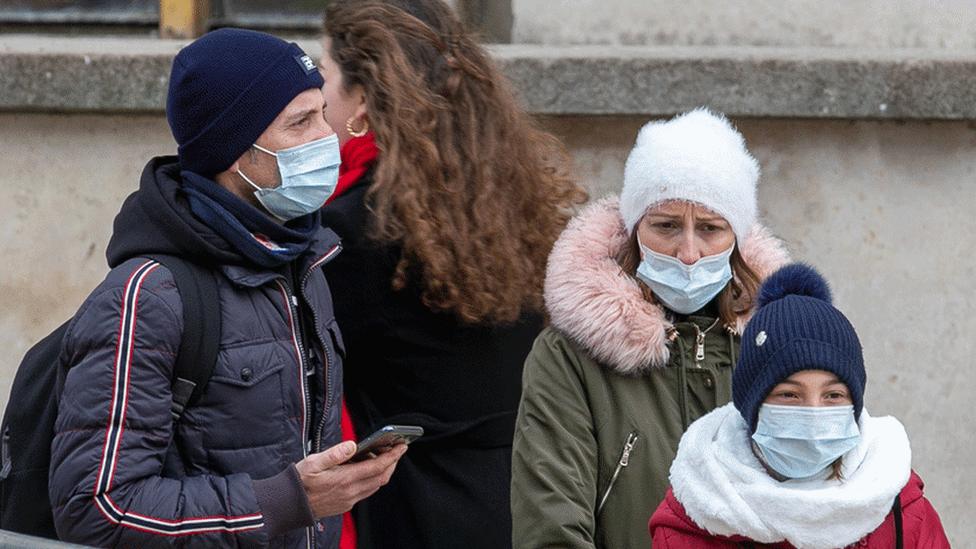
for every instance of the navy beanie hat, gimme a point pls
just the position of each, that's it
(226, 88)
(795, 328)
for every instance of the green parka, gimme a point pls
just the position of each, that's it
(608, 391)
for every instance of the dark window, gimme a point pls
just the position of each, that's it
(122, 12)
(492, 18)
(284, 14)
(258, 14)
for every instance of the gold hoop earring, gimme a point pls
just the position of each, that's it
(355, 133)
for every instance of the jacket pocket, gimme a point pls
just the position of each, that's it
(258, 460)
(625, 454)
(246, 376)
(248, 400)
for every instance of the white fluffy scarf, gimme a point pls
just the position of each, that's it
(726, 491)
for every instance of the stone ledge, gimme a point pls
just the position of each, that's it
(63, 74)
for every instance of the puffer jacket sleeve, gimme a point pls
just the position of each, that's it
(554, 457)
(114, 428)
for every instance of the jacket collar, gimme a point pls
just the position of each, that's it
(325, 245)
(591, 300)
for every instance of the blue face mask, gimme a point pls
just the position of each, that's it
(309, 174)
(684, 288)
(801, 441)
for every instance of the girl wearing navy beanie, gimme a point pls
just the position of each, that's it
(795, 460)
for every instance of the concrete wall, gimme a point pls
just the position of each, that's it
(947, 24)
(65, 178)
(883, 208)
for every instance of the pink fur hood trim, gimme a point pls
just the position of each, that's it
(591, 300)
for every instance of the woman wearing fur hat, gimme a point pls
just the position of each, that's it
(646, 296)
(796, 461)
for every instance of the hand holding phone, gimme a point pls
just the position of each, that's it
(385, 438)
(333, 485)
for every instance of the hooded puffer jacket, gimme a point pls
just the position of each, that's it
(729, 501)
(609, 388)
(121, 474)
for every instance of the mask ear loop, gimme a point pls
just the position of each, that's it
(248, 179)
(262, 149)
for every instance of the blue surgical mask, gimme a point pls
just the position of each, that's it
(684, 288)
(801, 441)
(309, 174)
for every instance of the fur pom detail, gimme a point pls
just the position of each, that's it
(796, 279)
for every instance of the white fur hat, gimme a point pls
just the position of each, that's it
(696, 156)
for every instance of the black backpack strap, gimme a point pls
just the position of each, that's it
(896, 509)
(201, 330)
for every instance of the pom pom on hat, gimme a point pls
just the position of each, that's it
(698, 157)
(795, 328)
(796, 279)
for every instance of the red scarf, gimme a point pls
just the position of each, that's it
(348, 538)
(358, 156)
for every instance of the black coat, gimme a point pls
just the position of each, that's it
(406, 364)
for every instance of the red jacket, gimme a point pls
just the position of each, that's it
(672, 529)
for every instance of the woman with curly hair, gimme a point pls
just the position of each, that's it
(449, 201)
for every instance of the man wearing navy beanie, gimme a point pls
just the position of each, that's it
(255, 458)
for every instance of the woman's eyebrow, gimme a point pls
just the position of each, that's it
(709, 217)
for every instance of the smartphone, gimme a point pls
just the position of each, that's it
(385, 438)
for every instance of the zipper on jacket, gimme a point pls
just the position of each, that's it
(623, 462)
(327, 405)
(293, 309)
(327, 369)
(699, 346)
(700, 341)
(292, 304)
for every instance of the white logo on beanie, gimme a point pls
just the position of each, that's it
(697, 157)
(306, 63)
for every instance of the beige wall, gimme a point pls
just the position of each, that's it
(883, 208)
(64, 178)
(938, 24)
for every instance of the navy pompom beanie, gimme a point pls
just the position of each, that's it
(795, 328)
(226, 88)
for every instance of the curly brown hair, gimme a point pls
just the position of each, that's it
(468, 185)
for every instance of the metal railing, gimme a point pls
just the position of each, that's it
(13, 540)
